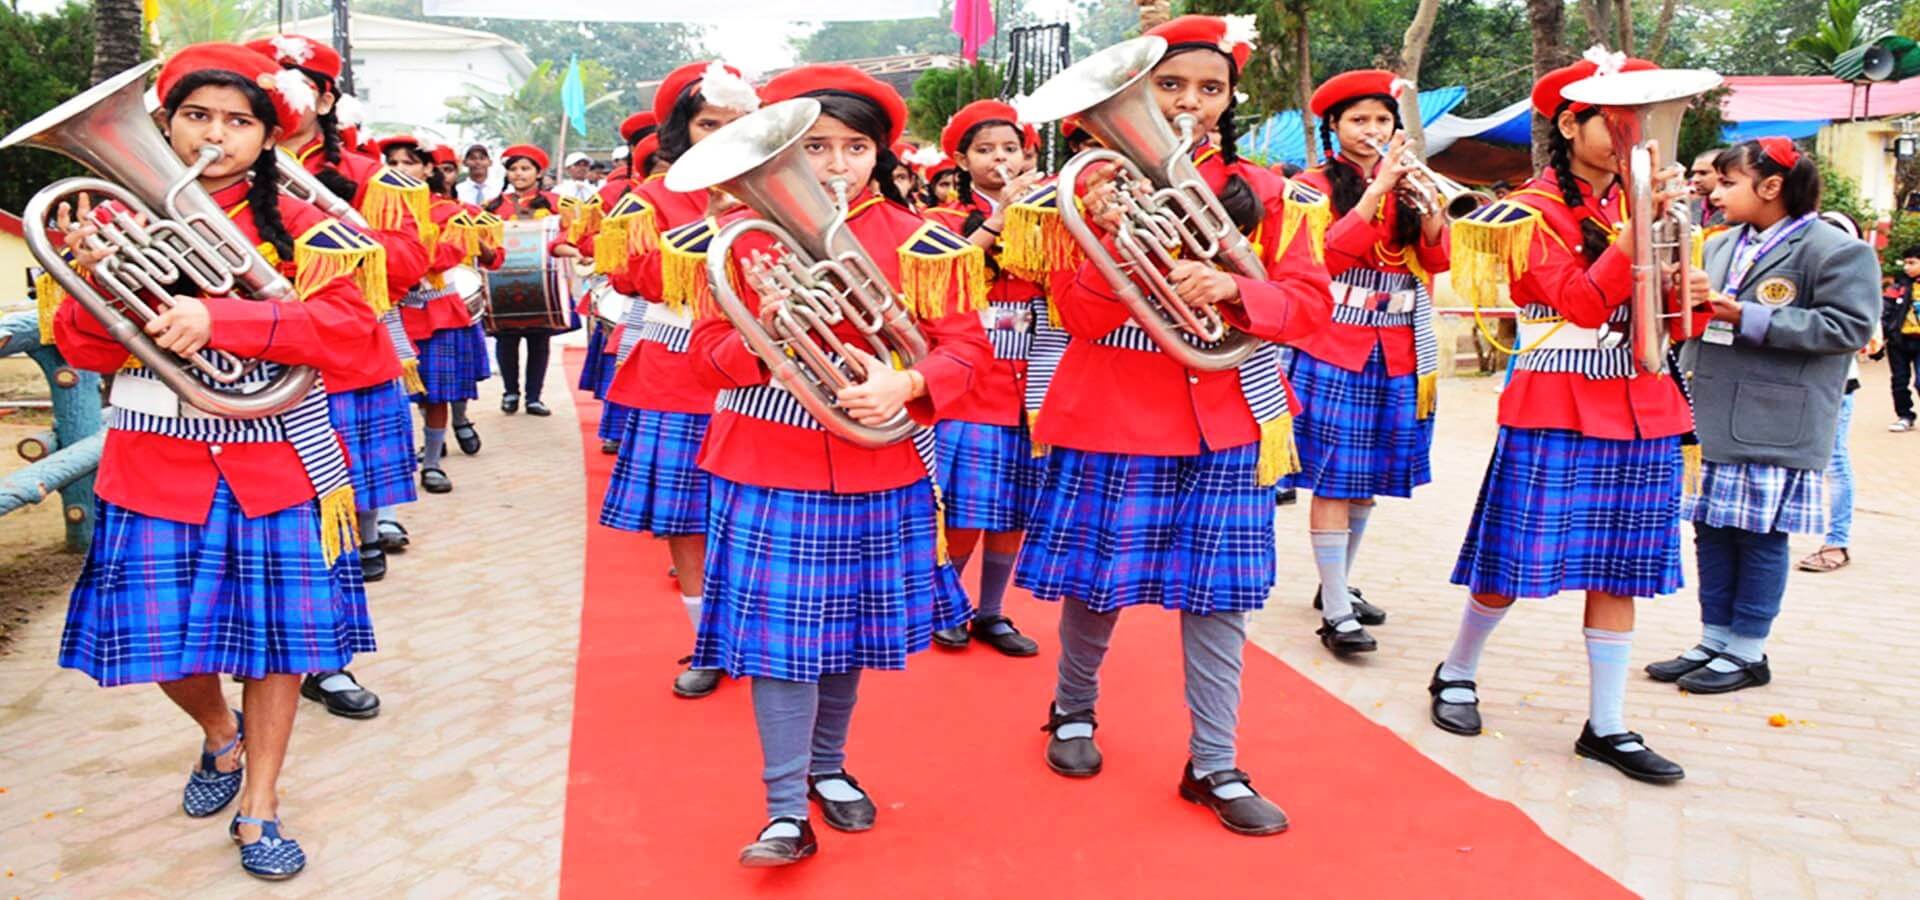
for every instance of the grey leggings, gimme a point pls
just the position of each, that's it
(1211, 646)
(803, 729)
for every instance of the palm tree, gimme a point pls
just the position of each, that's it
(532, 114)
(183, 22)
(116, 37)
(1838, 34)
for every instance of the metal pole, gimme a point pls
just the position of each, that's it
(343, 44)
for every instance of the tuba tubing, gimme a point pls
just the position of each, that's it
(297, 182)
(821, 276)
(107, 130)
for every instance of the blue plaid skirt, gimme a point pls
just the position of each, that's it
(802, 584)
(613, 420)
(377, 425)
(1759, 498)
(1359, 435)
(596, 371)
(1560, 511)
(453, 361)
(656, 487)
(989, 476)
(485, 368)
(1193, 533)
(160, 600)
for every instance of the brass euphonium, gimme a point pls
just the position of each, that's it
(107, 129)
(816, 277)
(1168, 206)
(1643, 111)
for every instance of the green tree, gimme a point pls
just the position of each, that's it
(45, 59)
(941, 92)
(184, 22)
(532, 114)
(861, 40)
(1099, 24)
(119, 42)
(1839, 32)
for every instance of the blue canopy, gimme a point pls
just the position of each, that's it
(1278, 139)
(1735, 132)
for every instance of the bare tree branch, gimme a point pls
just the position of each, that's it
(1659, 43)
(1413, 49)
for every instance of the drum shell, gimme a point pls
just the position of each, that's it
(532, 290)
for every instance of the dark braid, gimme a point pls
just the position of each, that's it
(1593, 237)
(1347, 182)
(263, 192)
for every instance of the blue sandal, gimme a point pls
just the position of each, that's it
(272, 857)
(209, 790)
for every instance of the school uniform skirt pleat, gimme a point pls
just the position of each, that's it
(1358, 434)
(989, 477)
(453, 361)
(1193, 533)
(377, 426)
(1561, 511)
(159, 600)
(801, 584)
(656, 486)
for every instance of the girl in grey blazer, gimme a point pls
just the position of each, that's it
(1792, 299)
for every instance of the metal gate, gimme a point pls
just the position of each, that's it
(1036, 53)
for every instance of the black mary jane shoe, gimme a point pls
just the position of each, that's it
(434, 480)
(851, 816)
(1640, 765)
(1367, 613)
(1007, 640)
(1705, 680)
(536, 408)
(1345, 643)
(1459, 718)
(1250, 815)
(766, 852)
(353, 703)
(1286, 497)
(373, 563)
(610, 448)
(1670, 670)
(1072, 757)
(393, 536)
(509, 403)
(465, 436)
(692, 684)
(955, 638)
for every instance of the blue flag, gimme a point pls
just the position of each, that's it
(573, 97)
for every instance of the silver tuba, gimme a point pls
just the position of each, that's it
(1643, 111)
(300, 184)
(1111, 93)
(817, 276)
(107, 130)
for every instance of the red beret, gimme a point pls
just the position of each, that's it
(1352, 85)
(1546, 92)
(1031, 136)
(934, 171)
(442, 155)
(973, 114)
(290, 92)
(537, 155)
(636, 123)
(381, 146)
(678, 82)
(349, 136)
(1071, 126)
(299, 50)
(1779, 149)
(844, 79)
(648, 146)
(1210, 31)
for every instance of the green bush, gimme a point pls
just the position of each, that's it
(1905, 233)
(1840, 194)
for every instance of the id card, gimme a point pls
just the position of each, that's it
(1719, 332)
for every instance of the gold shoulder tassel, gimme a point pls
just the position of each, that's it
(1490, 248)
(936, 263)
(1278, 454)
(683, 280)
(1315, 215)
(332, 250)
(1036, 243)
(47, 295)
(339, 525)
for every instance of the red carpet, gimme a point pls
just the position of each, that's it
(663, 792)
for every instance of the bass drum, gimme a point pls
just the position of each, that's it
(471, 286)
(532, 290)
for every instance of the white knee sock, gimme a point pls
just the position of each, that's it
(693, 610)
(1608, 654)
(1476, 625)
(1330, 558)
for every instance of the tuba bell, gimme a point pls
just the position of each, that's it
(107, 130)
(816, 277)
(1111, 93)
(1643, 111)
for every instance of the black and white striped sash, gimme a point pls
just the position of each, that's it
(307, 426)
(630, 325)
(1009, 327)
(1597, 362)
(773, 403)
(1426, 345)
(664, 326)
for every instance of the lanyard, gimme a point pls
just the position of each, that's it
(1738, 275)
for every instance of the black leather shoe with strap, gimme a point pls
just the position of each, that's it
(1367, 613)
(466, 437)
(1629, 753)
(1670, 670)
(842, 815)
(351, 703)
(1076, 757)
(766, 852)
(1249, 813)
(1458, 718)
(1345, 643)
(998, 632)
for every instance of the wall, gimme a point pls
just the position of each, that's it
(1860, 150)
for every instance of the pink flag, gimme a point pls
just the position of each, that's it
(973, 22)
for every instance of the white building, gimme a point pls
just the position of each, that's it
(404, 71)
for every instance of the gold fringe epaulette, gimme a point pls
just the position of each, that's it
(392, 196)
(935, 264)
(331, 250)
(339, 523)
(1036, 242)
(584, 215)
(47, 295)
(492, 229)
(1490, 249)
(1306, 206)
(1279, 455)
(683, 268)
(627, 230)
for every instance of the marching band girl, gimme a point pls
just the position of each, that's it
(1367, 381)
(791, 498)
(656, 485)
(989, 473)
(239, 560)
(368, 395)
(1793, 299)
(623, 232)
(464, 434)
(523, 198)
(1159, 484)
(452, 355)
(1583, 490)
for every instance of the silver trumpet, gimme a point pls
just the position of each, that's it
(1429, 192)
(1643, 111)
(1167, 206)
(817, 275)
(107, 130)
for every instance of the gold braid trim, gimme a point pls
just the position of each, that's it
(47, 295)
(1315, 216)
